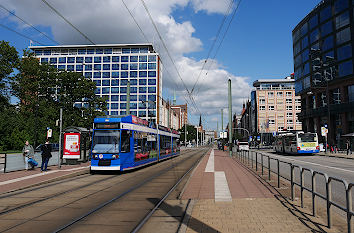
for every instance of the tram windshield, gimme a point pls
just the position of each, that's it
(307, 137)
(106, 141)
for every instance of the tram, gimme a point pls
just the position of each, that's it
(128, 142)
(297, 143)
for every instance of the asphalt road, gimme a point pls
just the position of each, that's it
(334, 167)
(133, 195)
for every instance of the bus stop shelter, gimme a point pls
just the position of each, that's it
(76, 143)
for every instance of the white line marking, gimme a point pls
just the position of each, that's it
(210, 165)
(222, 191)
(39, 174)
(316, 164)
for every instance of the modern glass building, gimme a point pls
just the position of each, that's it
(323, 64)
(111, 66)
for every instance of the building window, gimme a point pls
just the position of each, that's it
(152, 58)
(61, 67)
(134, 50)
(125, 50)
(290, 128)
(105, 82)
(124, 66)
(152, 66)
(106, 75)
(298, 122)
(314, 36)
(62, 59)
(105, 90)
(97, 82)
(298, 108)
(152, 74)
(114, 97)
(313, 22)
(152, 89)
(133, 82)
(289, 101)
(115, 66)
(340, 5)
(289, 114)
(142, 58)
(82, 51)
(123, 98)
(289, 122)
(279, 94)
(289, 94)
(97, 59)
(142, 89)
(305, 42)
(124, 74)
(45, 60)
(345, 68)
(88, 74)
(71, 59)
(90, 51)
(342, 20)
(142, 97)
(107, 51)
(97, 75)
(114, 90)
(133, 74)
(326, 28)
(261, 101)
(115, 82)
(152, 81)
(270, 94)
(327, 43)
(262, 108)
(142, 66)
(88, 67)
(115, 74)
(280, 128)
(79, 67)
(325, 14)
(271, 107)
(106, 67)
(271, 122)
(142, 81)
(88, 59)
(53, 60)
(70, 67)
(133, 58)
(336, 96)
(289, 108)
(106, 59)
(344, 52)
(124, 59)
(115, 59)
(133, 66)
(297, 101)
(97, 67)
(343, 36)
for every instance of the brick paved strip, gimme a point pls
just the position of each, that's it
(222, 191)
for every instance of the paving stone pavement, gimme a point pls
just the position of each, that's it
(253, 208)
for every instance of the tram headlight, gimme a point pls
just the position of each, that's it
(115, 156)
(95, 156)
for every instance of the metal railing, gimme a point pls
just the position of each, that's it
(3, 162)
(251, 157)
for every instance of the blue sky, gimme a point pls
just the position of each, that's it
(258, 44)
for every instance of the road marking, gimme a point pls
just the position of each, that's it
(39, 174)
(222, 191)
(316, 164)
(210, 165)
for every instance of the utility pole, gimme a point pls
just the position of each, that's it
(185, 134)
(169, 114)
(222, 120)
(197, 136)
(128, 98)
(230, 119)
(60, 132)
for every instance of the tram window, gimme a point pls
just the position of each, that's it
(125, 148)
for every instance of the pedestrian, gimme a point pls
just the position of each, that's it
(348, 147)
(46, 155)
(28, 153)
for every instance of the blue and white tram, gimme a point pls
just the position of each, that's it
(128, 142)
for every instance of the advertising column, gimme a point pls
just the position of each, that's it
(71, 146)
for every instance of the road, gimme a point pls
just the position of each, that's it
(94, 203)
(334, 167)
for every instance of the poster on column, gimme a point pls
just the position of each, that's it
(71, 146)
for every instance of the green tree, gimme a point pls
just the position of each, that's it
(191, 133)
(8, 62)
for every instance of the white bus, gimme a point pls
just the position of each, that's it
(242, 146)
(297, 143)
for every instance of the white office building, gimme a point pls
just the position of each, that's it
(111, 66)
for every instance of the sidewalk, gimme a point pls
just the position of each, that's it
(228, 198)
(21, 179)
(337, 155)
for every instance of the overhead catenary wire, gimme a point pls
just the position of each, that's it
(42, 33)
(19, 33)
(214, 42)
(224, 35)
(67, 21)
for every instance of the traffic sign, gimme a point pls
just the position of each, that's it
(324, 131)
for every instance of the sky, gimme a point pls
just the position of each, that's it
(257, 45)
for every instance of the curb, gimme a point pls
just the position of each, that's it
(62, 177)
(333, 156)
(187, 215)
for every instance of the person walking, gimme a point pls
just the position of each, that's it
(348, 147)
(46, 155)
(28, 153)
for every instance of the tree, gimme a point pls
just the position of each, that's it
(191, 133)
(8, 62)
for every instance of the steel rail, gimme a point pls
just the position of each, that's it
(122, 194)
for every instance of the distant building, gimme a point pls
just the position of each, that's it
(110, 67)
(273, 108)
(323, 63)
(178, 115)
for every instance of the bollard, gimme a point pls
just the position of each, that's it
(269, 168)
(348, 194)
(256, 161)
(292, 182)
(313, 183)
(329, 199)
(252, 159)
(248, 157)
(278, 173)
(262, 163)
(302, 186)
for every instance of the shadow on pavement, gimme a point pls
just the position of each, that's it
(180, 214)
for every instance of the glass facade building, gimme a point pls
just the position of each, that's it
(323, 49)
(110, 67)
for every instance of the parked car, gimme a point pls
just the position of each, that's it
(242, 146)
(55, 147)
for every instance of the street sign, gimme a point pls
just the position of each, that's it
(324, 131)
(49, 133)
(258, 138)
(250, 139)
(274, 134)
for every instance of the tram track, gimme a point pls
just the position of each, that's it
(6, 211)
(131, 177)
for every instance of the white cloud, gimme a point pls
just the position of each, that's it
(109, 22)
